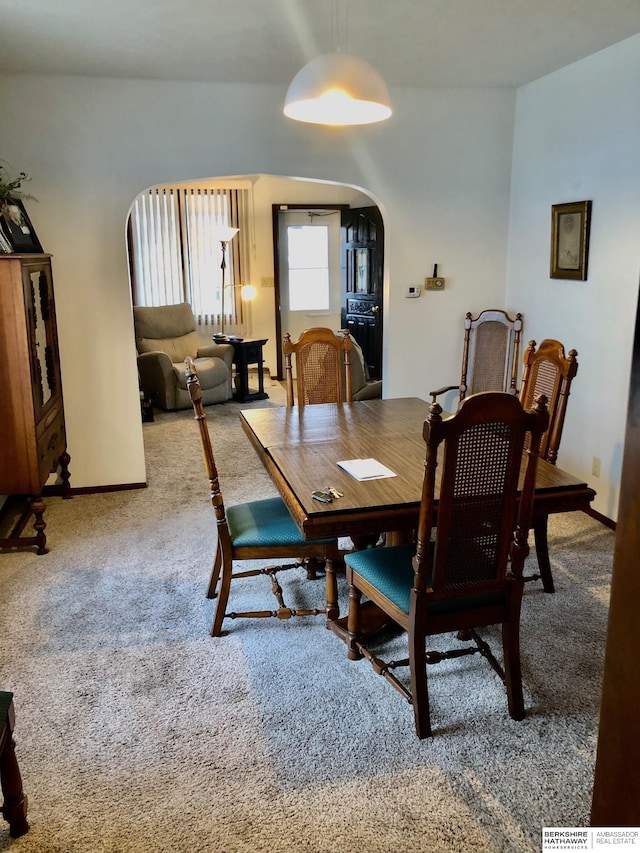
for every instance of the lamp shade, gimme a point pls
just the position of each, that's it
(337, 89)
(225, 233)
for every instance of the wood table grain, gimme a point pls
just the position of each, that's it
(300, 449)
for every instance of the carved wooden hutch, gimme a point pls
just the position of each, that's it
(33, 440)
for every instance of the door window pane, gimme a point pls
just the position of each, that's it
(308, 259)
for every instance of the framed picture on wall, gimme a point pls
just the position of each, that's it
(17, 230)
(570, 224)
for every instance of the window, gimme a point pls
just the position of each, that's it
(175, 255)
(308, 260)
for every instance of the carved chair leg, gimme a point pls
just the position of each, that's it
(223, 598)
(353, 623)
(513, 670)
(215, 574)
(419, 687)
(14, 809)
(542, 552)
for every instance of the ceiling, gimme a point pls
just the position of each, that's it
(413, 43)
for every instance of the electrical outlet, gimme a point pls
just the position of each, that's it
(595, 467)
(434, 283)
(267, 281)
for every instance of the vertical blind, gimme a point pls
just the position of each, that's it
(176, 255)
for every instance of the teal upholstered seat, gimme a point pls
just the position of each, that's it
(390, 570)
(257, 530)
(265, 522)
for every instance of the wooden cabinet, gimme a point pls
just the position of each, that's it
(33, 440)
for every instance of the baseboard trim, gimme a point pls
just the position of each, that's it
(93, 490)
(603, 519)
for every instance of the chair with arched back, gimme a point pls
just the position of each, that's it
(322, 360)
(490, 354)
(547, 370)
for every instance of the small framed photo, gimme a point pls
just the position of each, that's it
(16, 228)
(570, 224)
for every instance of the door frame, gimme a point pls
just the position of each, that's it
(276, 210)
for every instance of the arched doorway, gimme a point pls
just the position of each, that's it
(260, 319)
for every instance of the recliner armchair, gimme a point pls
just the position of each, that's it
(362, 388)
(165, 336)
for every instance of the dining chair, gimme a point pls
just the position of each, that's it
(547, 370)
(322, 360)
(469, 574)
(255, 530)
(490, 354)
(14, 807)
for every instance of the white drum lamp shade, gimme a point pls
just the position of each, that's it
(337, 89)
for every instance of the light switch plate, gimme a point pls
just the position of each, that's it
(434, 283)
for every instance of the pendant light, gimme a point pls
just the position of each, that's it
(337, 88)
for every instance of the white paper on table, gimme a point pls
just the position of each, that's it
(366, 469)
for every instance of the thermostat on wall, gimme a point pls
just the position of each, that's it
(412, 291)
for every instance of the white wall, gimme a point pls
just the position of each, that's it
(439, 170)
(268, 190)
(577, 136)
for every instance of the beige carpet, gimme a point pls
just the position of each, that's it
(137, 732)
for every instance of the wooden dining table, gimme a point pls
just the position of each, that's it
(301, 446)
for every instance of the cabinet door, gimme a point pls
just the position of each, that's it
(43, 341)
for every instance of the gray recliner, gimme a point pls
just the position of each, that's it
(362, 388)
(165, 336)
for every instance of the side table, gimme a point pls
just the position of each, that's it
(248, 352)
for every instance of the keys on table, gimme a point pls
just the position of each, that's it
(327, 495)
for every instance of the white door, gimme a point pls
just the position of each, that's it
(309, 264)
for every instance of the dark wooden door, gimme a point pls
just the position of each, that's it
(362, 279)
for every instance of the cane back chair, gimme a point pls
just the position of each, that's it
(547, 370)
(490, 354)
(322, 360)
(470, 575)
(14, 807)
(255, 530)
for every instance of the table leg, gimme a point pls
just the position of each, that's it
(331, 592)
(372, 618)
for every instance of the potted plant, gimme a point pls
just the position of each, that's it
(10, 188)
(16, 232)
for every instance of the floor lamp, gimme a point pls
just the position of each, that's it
(225, 235)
